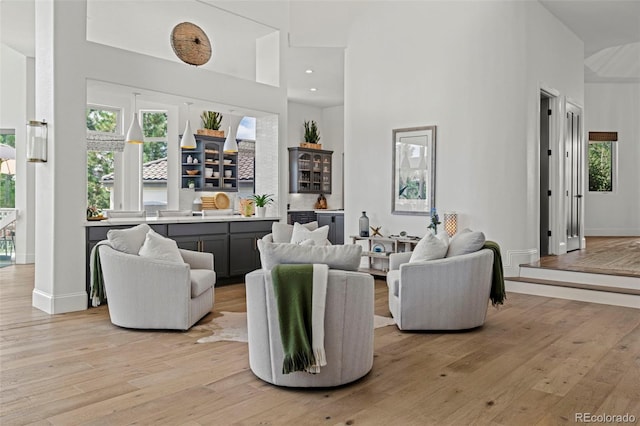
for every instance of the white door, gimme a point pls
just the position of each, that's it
(573, 167)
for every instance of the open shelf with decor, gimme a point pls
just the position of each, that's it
(379, 248)
(213, 170)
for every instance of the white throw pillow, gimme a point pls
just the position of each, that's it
(128, 240)
(282, 232)
(429, 247)
(301, 233)
(465, 241)
(160, 248)
(345, 257)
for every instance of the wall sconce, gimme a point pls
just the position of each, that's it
(451, 223)
(37, 141)
(230, 144)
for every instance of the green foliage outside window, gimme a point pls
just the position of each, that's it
(99, 163)
(601, 166)
(7, 180)
(154, 125)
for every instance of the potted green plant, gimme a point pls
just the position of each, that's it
(311, 135)
(211, 122)
(262, 201)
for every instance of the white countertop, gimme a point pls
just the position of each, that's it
(178, 219)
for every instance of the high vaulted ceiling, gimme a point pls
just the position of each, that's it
(610, 30)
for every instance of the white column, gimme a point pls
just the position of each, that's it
(61, 182)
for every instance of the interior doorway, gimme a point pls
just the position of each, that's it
(545, 185)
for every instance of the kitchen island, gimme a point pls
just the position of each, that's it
(231, 239)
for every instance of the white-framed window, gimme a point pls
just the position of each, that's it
(102, 121)
(602, 158)
(154, 160)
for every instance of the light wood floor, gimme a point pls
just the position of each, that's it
(535, 361)
(603, 255)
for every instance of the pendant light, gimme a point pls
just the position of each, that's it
(188, 141)
(134, 135)
(230, 144)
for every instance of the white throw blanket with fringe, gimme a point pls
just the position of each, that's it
(319, 298)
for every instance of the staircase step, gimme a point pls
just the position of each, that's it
(611, 289)
(594, 279)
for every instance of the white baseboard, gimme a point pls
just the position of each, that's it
(512, 259)
(618, 299)
(59, 304)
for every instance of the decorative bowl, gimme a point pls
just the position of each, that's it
(193, 172)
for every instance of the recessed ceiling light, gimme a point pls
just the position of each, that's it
(309, 71)
(313, 89)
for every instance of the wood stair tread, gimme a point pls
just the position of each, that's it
(593, 287)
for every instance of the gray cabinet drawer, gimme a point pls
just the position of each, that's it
(253, 226)
(185, 229)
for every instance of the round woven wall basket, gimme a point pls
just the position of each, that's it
(190, 44)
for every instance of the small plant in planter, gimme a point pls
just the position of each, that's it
(211, 122)
(311, 135)
(262, 201)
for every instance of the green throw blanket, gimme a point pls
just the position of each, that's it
(498, 293)
(293, 289)
(98, 295)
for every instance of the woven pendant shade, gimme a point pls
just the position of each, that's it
(190, 44)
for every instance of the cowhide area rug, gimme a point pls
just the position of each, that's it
(232, 326)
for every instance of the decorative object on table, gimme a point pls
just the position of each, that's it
(211, 121)
(403, 234)
(434, 221)
(94, 213)
(414, 170)
(37, 141)
(197, 205)
(376, 231)
(188, 141)
(363, 223)
(246, 207)
(377, 248)
(262, 201)
(311, 135)
(189, 159)
(321, 203)
(190, 44)
(451, 223)
(134, 134)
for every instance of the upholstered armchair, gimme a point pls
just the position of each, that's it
(348, 329)
(444, 294)
(148, 293)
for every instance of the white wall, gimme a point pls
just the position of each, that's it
(331, 126)
(616, 107)
(473, 69)
(65, 60)
(16, 108)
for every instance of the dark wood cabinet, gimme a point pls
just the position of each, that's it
(335, 221)
(209, 155)
(301, 216)
(310, 171)
(232, 243)
(244, 256)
